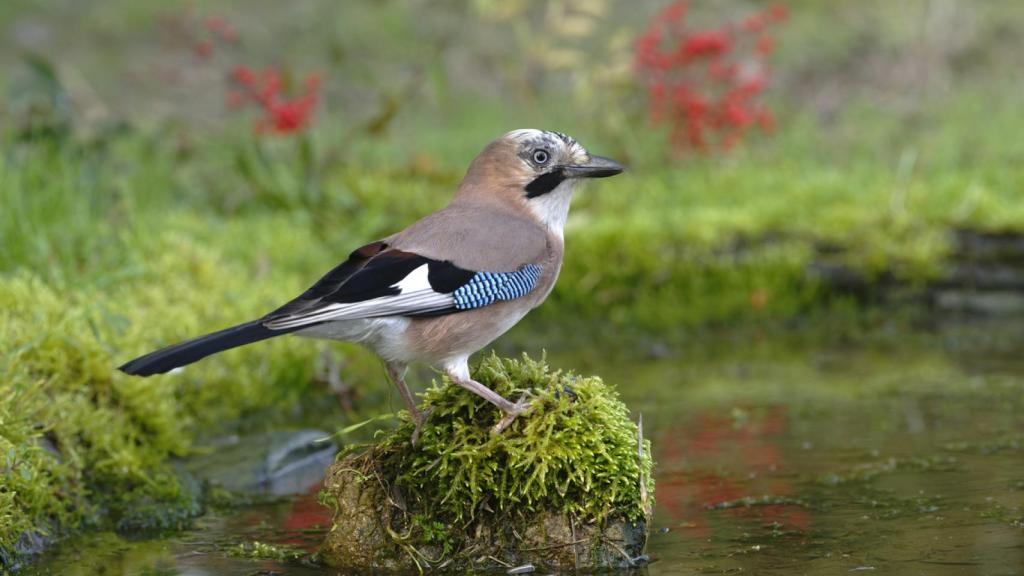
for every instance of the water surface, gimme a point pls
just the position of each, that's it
(775, 455)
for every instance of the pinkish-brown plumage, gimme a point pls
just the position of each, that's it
(447, 285)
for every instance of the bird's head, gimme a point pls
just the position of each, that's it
(536, 170)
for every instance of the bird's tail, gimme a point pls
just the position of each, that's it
(189, 351)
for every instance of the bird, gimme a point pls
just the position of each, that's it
(446, 286)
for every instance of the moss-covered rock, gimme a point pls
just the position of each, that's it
(567, 485)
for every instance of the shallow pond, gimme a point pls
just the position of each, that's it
(775, 455)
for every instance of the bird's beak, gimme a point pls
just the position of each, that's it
(598, 167)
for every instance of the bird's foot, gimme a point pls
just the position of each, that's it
(420, 418)
(512, 413)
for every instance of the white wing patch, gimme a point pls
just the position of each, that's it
(416, 297)
(416, 280)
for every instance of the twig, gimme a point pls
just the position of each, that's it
(629, 559)
(562, 545)
(505, 564)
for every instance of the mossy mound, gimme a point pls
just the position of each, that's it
(567, 485)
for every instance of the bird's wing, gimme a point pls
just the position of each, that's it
(394, 282)
(311, 299)
(476, 238)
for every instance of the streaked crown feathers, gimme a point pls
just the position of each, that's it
(531, 138)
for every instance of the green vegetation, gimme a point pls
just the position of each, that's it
(120, 249)
(573, 453)
(263, 551)
(134, 211)
(123, 248)
(574, 457)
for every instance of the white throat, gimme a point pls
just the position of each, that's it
(552, 209)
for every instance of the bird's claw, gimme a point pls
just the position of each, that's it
(510, 415)
(420, 418)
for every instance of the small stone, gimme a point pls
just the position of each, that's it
(275, 463)
(641, 559)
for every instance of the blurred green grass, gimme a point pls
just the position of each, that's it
(140, 213)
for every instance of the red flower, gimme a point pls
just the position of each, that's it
(204, 49)
(721, 71)
(288, 116)
(270, 85)
(705, 83)
(765, 45)
(284, 110)
(216, 24)
(229, 34)
(736, 114)
(647, 54)
(754, 23)
(752, 85)
(221, 29)
(778, 12)
(243, 75)
(672, 13)
(281, 115)
(710, 43)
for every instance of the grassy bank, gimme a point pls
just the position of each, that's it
(113, 249)
(135, 210)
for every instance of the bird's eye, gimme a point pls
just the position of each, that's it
(540, 156)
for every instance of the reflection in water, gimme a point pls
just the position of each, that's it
(713, 453)
(900, 457)
(306, 516)
(298, 522)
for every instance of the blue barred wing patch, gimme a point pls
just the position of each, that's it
(486, 288)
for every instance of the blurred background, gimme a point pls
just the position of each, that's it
(822, 216)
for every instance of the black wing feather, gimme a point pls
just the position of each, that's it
(374, 277)
(378, 277)
(370, 272)
(330, 282)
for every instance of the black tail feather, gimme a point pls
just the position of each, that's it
(167, 359)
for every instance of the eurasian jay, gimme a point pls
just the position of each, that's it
(446, 286)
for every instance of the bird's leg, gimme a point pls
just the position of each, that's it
(511, 409)
(396, 372)
(522, 405)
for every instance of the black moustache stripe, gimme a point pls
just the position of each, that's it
(544, 183)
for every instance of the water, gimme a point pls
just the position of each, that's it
(775, 455)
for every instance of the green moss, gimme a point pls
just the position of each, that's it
(264, 551)
(573, 455)
(84, 445)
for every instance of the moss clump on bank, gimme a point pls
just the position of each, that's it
(567, 484)
(84, 446)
